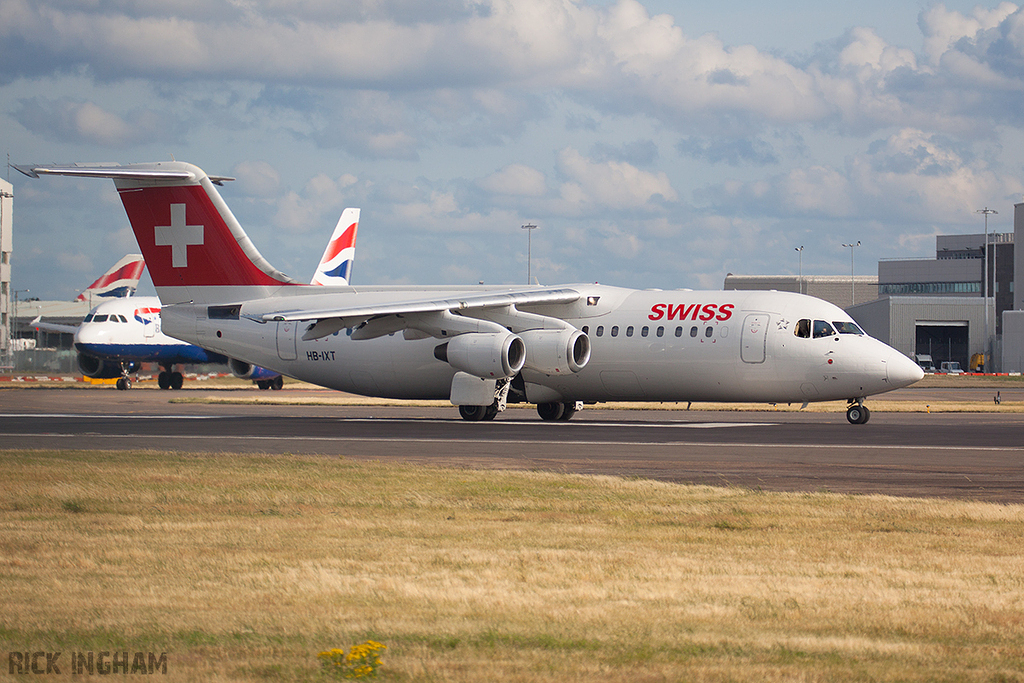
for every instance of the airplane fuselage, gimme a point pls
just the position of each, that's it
(647, 345)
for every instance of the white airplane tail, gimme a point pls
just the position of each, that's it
(121, 280)
(336, 264)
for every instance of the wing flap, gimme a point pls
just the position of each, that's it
(461, 303)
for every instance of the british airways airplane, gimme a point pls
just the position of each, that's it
(118, 335)
(481, 347)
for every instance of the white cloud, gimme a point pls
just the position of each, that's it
(614, 184)
(515, 179)
(308, 211)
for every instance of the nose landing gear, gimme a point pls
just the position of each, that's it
(857, 413)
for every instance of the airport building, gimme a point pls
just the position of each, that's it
(933, 306)
(843, 291)
(6, 246)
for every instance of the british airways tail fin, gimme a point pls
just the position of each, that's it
(336, 264)
(194, 247)
(120, 281)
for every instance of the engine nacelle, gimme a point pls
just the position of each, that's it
(98, 368)
(487, 355)
(243, 370)
(556, 352)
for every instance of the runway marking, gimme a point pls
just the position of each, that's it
(383, 420)
(524, 442)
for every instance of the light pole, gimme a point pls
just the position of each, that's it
(984, 270)
(800, 277)
(529, 228)
(853, 286)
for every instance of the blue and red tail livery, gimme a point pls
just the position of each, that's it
(121, 280)
(336, 264)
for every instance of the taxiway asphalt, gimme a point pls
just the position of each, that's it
(975, 456)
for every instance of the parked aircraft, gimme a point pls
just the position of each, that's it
(118, 335)
(479, 347)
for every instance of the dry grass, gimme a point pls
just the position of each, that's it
(244, 567)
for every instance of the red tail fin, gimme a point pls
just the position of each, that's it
(187, 234)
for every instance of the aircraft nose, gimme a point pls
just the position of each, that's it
(901, 371)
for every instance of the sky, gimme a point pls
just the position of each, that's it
(653, 144)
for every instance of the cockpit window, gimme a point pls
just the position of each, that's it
(88, 318)
(803, 329)
(847, 328)
(99, 319)
(822, 329)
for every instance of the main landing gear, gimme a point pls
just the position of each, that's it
(563, 412)
(276, 384)
(857, 413)
(168, 379)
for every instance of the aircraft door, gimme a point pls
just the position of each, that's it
(149, 328)
(286, 331)
(754, 338)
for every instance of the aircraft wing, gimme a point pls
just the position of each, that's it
(52, 327)
(328, 321)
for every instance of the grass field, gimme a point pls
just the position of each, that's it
(243, 568)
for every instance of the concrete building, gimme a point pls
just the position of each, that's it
(835, 289)
(6, 246)
(948, 328)
(938, 307)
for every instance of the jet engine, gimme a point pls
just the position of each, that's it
(265, 379)
(555, 352)
(487, 355)
(98, 368)
(243, 370)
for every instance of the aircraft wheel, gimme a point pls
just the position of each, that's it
(857, 414)
(491, 412)
(473, 413)
(163, 380)
(277, 383)
(123, 384)
(550, 411)
(568, 410)
(263, 384)
(177, 380)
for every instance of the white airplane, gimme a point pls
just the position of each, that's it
(118, 335)
(480, 347)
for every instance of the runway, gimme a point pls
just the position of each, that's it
(952, 455)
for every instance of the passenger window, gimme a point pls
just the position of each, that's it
(615, 330)
(679, 331)
(643, 331)
(708, 331)
(803, 329)
(693, 331)
(661, 331)
(586, 329)
(822, 329)
(629, 331)
(600, 330)
(847, 328)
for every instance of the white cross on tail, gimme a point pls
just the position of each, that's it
(178, 236)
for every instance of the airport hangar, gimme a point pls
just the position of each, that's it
(932, 306)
